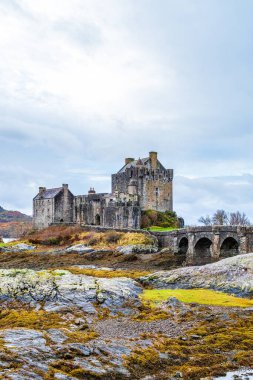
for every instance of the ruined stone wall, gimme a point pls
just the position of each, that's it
(122, 216)
(154, 187)
(156, 195)
(88, 209)
(43, 212)
(120, 181)
(105, 212)
(63, 207)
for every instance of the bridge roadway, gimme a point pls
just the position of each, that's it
(201, 245)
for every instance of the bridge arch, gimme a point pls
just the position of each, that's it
(229, 247)
(203, 251)
(182, 250)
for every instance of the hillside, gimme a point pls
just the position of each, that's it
(13, 223)
(13, 216)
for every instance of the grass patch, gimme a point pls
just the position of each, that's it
(161, 229)
(200, 296)
(101, 273)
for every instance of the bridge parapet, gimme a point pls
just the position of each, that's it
(207, 243)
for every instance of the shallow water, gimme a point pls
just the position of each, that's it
(246, 374)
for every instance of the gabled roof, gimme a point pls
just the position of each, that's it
(49, 193)
(146, 162)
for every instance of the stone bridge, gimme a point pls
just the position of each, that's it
(201, 245)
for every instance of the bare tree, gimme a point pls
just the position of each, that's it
(238, 219)
(206, 220)
(220, 218)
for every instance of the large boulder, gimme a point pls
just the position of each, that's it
(80, 248)
(137, 248)
(232, 275)
(60, 289)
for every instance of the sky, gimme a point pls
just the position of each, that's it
(86, 83)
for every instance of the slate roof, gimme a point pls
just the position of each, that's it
(49, 193)
(133, 164)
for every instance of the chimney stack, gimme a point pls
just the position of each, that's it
(153, 158)
(42, 190)
(128, 160)
(65, 188)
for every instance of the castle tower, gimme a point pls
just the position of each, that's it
(149, 180)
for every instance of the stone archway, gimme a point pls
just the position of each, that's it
(182, 251)
(229, 247)
(97, 220)
(203, 251)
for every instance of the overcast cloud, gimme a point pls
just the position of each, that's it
(85, 83)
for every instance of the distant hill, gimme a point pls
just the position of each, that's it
(13, 216)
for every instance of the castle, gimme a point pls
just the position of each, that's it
(142, 184)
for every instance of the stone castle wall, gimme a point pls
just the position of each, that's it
(139, 185)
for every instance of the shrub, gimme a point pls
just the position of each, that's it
(113, 237)
(160, 219)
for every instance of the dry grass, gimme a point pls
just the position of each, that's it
(55, 235)
(66, 235)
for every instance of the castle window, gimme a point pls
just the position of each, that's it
(157, 191)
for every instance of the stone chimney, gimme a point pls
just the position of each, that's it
(42, 190)
(65, 186)
(128, 160)
(153, 158)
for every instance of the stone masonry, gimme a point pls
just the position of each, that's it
(142, 184)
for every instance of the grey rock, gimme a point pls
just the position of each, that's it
(81, 349)
(19, 248)
(60, 290)
(17, 339)
(56, 335)
(232, 275)
(173, 301)
(80, 248)
(137, 248)
(61, 376)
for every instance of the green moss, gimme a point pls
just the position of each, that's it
(107, 273)
(225, 345)
(200, 296)
(30, 319)
(80, 336)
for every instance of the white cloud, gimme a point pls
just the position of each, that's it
(85, 83)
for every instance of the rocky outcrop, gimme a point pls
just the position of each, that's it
(80, 248)
(18, 248)
(137, 248)
(232, 275)
(60, 289)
